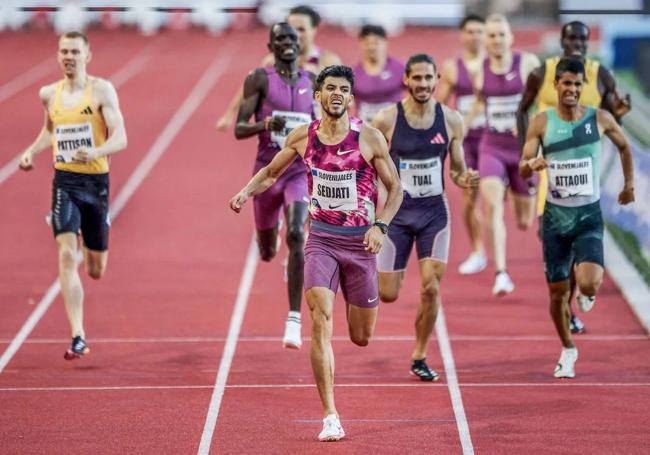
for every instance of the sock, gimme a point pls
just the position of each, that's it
(294, 316)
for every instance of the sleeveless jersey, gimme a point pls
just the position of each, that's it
(465, 98)
(590, 96)
(502, 93)
(374, 92)
(419, 155)
(294, 103)
(77, 127)
(572, 150)
(342, 185)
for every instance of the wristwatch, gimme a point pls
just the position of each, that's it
(383, 227)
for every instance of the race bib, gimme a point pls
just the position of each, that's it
(502, 112)
(464, 105)
(570, 178)
(70, 138)
(367, 111)
(421, 178)
(335, 190)
(293, 120)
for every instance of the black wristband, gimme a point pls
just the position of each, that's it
(383, 227)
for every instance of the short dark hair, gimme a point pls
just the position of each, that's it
(569, 65)
(334, 71)
(572, 24)
(314, 17)
(419, 58)
(370, 29)
(470, 18)
(75, 35)
(277, 24)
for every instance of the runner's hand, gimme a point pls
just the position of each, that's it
(537, 164)
(626, 196)
(621, 105)
(224, 123)
(26, 162)
(238, 201)
(373, 239)
(469, 179)
(85, 155)
(277, 123)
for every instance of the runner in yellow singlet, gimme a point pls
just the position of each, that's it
(83, 125)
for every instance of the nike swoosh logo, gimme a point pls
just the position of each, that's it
(425, 193)
(302, 91)
(372, 300)
(332, 207)
(510, 76)
(344, 152)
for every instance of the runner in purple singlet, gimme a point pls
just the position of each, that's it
(421, 133)
(345, 158)
(456, 80)
(500, 86)
(280, 97)
(378, 77)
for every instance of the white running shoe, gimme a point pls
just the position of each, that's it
(332, 429)
(585, 303)
(292, 338)
(475, 263)
(565, 367)
(502, 284)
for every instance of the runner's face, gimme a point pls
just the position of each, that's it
(335, 96)
(421, 82)
(73, 55)
(306, 33)
(574, 41)
(373, 48)
(498, 38)
(569, 87)
(284, 43)
(472, 36)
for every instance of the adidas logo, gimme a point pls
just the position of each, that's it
(87, 111)
(438, 139)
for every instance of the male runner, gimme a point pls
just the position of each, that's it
(500, 83)
(84, 125)
(378, 77)
(572, 228)
(599, 90)
(280, 97)
(421, 131)
(456, 79)
(305, 21)
(344, 158)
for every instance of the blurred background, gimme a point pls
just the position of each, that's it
(620, 39)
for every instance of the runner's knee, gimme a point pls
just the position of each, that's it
(590, 287)
(295, 237)
(95, 270)
(388, 295)
(67, 257)
(360, 336)
(429, 291)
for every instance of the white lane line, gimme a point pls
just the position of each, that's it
(419, 385)
(182, 115)
(452, 384)
(275, 339)
(119, 78)
(26, 79)
(252, 258)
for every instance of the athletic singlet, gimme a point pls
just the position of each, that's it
(590, 96)
(419, 155)
(342, 185)
(502, 93)
(77, 127)
(572, 150)
(374, 92)
(294, 103)
(465, 98)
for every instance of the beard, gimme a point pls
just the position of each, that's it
(334, 114)
(417, 100)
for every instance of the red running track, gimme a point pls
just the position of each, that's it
(159, 321)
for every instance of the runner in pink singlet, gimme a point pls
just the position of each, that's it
(345, 158)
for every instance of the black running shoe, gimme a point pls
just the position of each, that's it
(420, 369)
(77, 350)
(576, 325)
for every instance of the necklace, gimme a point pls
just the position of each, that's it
(286, 73)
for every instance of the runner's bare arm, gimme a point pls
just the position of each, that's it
(462, 177)
(44, 138)
(269, 174)
(611, 100)
(533, 86)
(447, 83)
(614, 132)
(384, 121)
(253, 89)
(530, 162)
